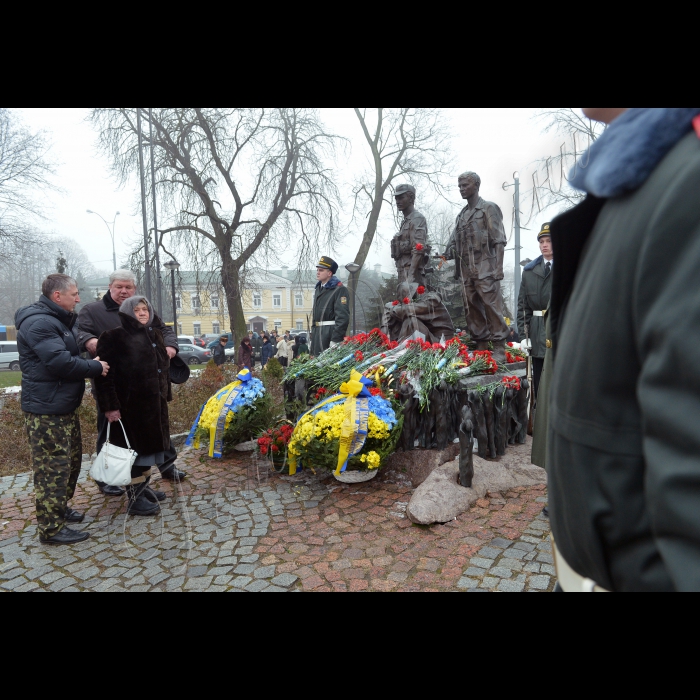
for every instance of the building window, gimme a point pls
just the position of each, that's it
(277, 301)
(215, 328)
(278, 325)
(195, 302)
(215, 303)
(178, 302)
(179, 329)
(299, 299)
(300, 325)
(257, 300)
(197, 329)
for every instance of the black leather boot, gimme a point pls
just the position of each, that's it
(154, 496)
(138, 502)
(65, 536)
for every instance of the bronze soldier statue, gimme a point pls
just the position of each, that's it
(476, 246)
(410, 260)
(424, 311)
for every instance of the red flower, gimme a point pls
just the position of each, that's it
(359, 356)
(419, 246)
(406, 300)
(383, 356)
(263, 450)
(394, 303)
(421, 289)
(275, 448)
(510, 345)
(376, 391)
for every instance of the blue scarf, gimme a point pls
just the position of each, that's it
(623, 157)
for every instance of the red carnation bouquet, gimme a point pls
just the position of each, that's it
(274, 441)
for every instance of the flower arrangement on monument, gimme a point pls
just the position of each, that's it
(232, 411)
(353, 430)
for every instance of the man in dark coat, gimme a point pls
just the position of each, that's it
(533, 299)
(331, 311)
(103, 315)
(256, 344)
(218, 353)
(623, 450)
(53, 382)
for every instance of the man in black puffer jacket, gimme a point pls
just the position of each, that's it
(53, 382)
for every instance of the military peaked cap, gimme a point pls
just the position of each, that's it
(544, 231)
(328, 264)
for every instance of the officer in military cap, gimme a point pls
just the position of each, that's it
(533, 300)
(331, 313)
(409, 247)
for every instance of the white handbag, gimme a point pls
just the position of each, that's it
(113, 465)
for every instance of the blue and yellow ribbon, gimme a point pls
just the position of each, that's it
(216, 433)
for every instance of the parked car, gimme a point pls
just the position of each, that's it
(193, 355)
(9, 357)
(185, 340)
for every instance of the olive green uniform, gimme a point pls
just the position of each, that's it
(332, 310)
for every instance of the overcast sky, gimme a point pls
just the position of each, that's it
(491, 142)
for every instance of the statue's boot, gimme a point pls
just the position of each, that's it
(499, 351)
(482, 344)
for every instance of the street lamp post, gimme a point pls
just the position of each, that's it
(111, 233)
(173, 265)
(353, 268)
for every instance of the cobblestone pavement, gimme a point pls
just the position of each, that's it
(303, 533)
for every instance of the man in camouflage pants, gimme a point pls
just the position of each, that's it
(53, 382)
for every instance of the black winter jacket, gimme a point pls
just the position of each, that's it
(137, 384)
(103, 315)
(53, 373)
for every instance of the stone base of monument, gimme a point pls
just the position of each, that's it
(440, 498)
(418, 464)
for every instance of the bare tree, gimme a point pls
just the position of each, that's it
(550, 184)
(406, 142)
(25, 262)
(24, 171)
(233, 183)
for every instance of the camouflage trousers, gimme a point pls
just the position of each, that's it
(57, 447)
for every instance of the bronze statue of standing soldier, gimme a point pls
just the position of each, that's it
(418, 309)
(476, 246)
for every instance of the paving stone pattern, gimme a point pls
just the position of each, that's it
(303, 533)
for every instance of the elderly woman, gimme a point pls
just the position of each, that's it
(137, 391)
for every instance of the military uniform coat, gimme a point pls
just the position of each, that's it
(623, 451)
(535, 290)
(331, 303)
(410, 263)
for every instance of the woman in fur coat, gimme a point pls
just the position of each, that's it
(137, 393)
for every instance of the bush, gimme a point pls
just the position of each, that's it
(15, 456)
(273, 369)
